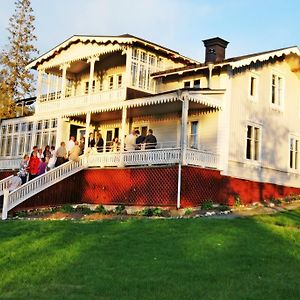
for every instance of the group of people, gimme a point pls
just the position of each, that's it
(136, 141)
(41, 161)
(133, 141)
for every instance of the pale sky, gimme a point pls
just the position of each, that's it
(249, 26)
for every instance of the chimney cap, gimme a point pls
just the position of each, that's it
(215, 41)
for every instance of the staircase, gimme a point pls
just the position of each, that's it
(40, 183)
(4, 183)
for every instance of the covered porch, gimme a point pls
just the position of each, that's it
(186, 125)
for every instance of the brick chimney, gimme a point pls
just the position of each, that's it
(215, 50)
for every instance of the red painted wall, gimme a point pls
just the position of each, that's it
(155, 186)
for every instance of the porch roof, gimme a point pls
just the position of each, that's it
(200, 100)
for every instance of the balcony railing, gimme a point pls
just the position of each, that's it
(170, 154)
(103, 98)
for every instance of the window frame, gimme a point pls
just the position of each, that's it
(278, 104)
(252, 143)
(295, 168)
(253, 97)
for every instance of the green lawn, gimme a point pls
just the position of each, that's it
(250, 258)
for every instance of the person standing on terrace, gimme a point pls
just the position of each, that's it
(150, 140)
(33, 166)
(61, 154)
(130, 141)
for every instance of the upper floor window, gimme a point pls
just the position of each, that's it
(119, 80)
(277, 91)
(253, 141)
(197, 84)
(86, 90)
(135, 54)
(187, 84)
(151, 60)
(253, 87)
(294, 153)
(143, 57)
(111, 82)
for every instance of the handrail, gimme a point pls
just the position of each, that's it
(135, 157)
(4, 184)
(40, 183)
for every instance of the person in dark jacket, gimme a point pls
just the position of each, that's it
(91, 140)
(139, 140)
(100, 143)
(150, 140)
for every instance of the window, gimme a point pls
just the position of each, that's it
(294, 153)
(151, 60)
(187, 84)
(86, 90)
(253, 143)
(252, 86)
(197, 84)
(111, 82)
(119, 80)
(194, 135)
(93, 86)
(143, 57)
(277, 91)
(101, 84)
(134, 73)
(135, 54)
(142, 77)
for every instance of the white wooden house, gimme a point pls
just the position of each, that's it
(239, 116)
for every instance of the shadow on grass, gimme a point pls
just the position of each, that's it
(251, 258)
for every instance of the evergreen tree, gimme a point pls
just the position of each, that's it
(17, 82)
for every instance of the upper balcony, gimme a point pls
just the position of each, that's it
(53, 102)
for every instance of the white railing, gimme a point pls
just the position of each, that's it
(155, 156)
(201, 158)
(4, 184)
(10, 164)
(40, 183)
(103, 98)
(135, 158)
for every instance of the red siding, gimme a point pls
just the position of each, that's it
(155, 186)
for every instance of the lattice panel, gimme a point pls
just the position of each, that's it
(154, 186)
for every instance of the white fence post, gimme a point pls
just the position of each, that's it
(5, 204)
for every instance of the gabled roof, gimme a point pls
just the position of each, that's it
(125, 39)
(234, 62)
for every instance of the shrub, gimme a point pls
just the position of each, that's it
(237, 201)
(83, 209)
(100, 209)
(157, 211)
(120, 209)
(188, 211)
(275, 201)
(67, 208)
(207, 205)
(223, 207)
(22, 214)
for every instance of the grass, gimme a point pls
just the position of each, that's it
(243, 258)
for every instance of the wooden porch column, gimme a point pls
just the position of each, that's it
(39, 84)
(64, 68)
(59, 129)
(123, 128)
(184, 133)
(49, 78)
(92, 61)
(122, 135)
(127, 81)
(87, 131)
